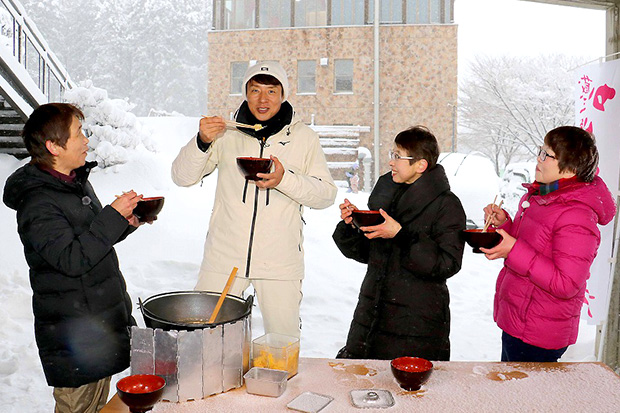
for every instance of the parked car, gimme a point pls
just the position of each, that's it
(473, 179)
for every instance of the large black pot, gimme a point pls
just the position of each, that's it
(190, 310)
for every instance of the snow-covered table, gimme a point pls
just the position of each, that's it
(453, 387)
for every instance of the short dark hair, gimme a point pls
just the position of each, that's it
(420, 143)
(264, 80)
(48, 122)
(575, 150)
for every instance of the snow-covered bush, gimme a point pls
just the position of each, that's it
(109, 125)
(6, 28)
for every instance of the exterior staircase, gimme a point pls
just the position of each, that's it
(341, 145)
(11, 125)
(341, 155)
(30, 75)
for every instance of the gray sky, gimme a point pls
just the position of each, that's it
(516, 27)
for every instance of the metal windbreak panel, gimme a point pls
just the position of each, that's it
(166, 362)
(232, 362)
(247, 343)
(142, 351)
(212, 378)
(190, 365)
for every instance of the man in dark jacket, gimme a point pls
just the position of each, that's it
(81, 307)
(403, 305)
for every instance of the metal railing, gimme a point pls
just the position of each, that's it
(32, 52)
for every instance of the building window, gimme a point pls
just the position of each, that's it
(343, 76)
(417, 11)
(436, 7)
(250, 14)
(429, 11)
(347, 12)
(306, 76)
(234, 14)
(237, 70)
(274, 13)
(449, 12)
(391, 11)
(310, 13)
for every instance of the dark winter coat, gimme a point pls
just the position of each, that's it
(403, 306)
(81, 307)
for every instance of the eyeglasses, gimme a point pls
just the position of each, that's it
(395, 157)
(542, 154)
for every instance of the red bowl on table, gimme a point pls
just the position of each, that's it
(411, 372)
(250, 166)
(140, 392)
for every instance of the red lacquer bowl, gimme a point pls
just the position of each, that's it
(140, 392)
(148, 208)
(476, 238)
(411, 372)
(251, 166)
(366, 218)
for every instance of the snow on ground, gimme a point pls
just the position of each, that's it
(166, 256)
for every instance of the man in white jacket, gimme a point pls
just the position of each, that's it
(257, 226)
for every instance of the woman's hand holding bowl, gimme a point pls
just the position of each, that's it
(502, 249)
(388, 229)
(345, 211)
(125, 204)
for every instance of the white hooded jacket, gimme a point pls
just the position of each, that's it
(261, 235)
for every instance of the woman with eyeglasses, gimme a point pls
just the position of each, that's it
(549, 247)
(402, 308)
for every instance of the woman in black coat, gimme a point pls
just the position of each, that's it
(403, 306)
(82, 312)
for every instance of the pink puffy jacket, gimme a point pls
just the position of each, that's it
(540, 290)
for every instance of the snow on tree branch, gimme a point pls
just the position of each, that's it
(111, 128)
(508, 104)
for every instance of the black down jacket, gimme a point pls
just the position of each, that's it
(82, 311)
(403, 306)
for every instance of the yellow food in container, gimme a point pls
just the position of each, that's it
(276, 351)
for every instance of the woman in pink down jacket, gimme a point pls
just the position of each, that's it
(549, 248)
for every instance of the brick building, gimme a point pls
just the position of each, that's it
(327, 48)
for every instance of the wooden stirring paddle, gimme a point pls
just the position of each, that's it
(216, 310)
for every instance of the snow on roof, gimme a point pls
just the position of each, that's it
(339, 131)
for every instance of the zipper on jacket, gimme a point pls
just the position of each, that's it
(254, 214)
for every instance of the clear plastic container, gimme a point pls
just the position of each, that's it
(265, 382)
(372, 398)
(276, 351)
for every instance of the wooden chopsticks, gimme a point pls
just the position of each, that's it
(234, 124)
(256, 127)
(490, 216)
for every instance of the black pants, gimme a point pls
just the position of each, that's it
(514, 349)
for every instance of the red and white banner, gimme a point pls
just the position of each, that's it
(598, 111)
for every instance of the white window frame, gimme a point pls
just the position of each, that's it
(339, 75)
(236, 81)
(301, 76)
